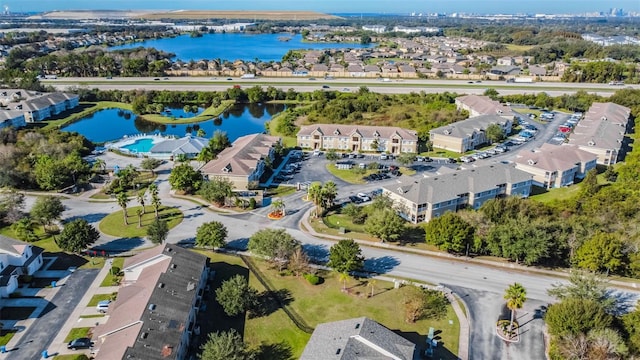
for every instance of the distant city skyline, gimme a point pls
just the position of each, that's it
(339, 6)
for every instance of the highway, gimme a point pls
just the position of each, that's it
(303, 84)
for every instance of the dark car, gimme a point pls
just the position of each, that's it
(325, 86)
(80, 343)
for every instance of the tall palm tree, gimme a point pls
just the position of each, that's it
(140, 199)
(278, 206)
(314, 193)
(139, 212)
(155, 199)
(100, 164)
(329, 194)
(122, 201)
(344, 277)
(516, 295)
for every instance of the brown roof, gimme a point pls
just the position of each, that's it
(242, 157)
(554, 157)
(368, 132)
(603, 126)
(484, 105)
(143, 256)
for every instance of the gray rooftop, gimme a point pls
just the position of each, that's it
(438, 188)
(357, 339)
(603, 126)
(465, 128)
(185, 145)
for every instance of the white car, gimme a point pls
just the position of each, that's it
(103, 306)
(363, 196)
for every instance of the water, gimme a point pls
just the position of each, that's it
(113, 124)
(234, 46)
(179, 113)
(140, 146)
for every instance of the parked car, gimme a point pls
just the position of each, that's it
(103, 306)
(80, 343)
(363, 196)
(384, 156)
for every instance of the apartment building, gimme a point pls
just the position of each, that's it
(16, 258)
(478, 105)
(420, 199)
(154, 315)
(602, 131)
(244, 162)
(554, 166)
(357, 138)
(37, 106)
(467, 134)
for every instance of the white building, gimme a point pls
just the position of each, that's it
(16, 258)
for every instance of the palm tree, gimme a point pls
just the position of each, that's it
(201, 133)
(516, 295)
(140, 199)
(314, 193)
(122, 201)
(329, 193)
(140, 212)
(205, 155)
(344, 277)
(155, 199)
(372, 285)
(278, 206)
(100, 164)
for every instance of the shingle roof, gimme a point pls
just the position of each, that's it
(554, 157)
(185, 145)
(484, 105)
(466, 128)
(12, 246)
(357, 339)
(603, 126)
(368, 132)
(438, 188)
(242, 157)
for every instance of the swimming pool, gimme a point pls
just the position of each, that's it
(139, 146)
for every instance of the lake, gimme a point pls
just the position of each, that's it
(234, 46)
(112, 124)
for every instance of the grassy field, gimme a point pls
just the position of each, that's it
(518, 48)
(113, 224)
(355, 175)
(108, 280)
(95, 299)
(6, 336)
(71, 357)
(208, 114)
(287, 141)
(327, 302)
(281, 191)
(77, 333)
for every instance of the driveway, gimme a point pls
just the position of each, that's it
(38, 336)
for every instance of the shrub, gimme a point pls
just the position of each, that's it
(313, 279)
(252, 203)
(115, 270)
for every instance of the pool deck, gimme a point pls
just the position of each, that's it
(130, 139)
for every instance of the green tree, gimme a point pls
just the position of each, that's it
(212, 234)
(99, 164)
(46, 210)
(225, 345)
(631, 326)
(601, 252)
(450, 233)
(385, 224)
(589, 186)
(236, 296)
(216, 190)
(185, 178)
(77, 235)
(275, 244)
(23, 229)
(278, 207)
(329, 193)
(576, 316)
(150, 164)
(406, 158)
(515, 295)
(491, 93)
(331, 155)
(420, 303)
(11, 206)
(49, 173)
(219, 141)
(346, 256)
(586, 286)
(494, 133)
(123, 200)
(141, 200)
(158, 231)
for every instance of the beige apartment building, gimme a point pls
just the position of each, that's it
(478, 105)
(357, 138)
(420, 199)
(554, 166)
(467, 134)
(602, 132)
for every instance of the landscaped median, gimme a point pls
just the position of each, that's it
(356, 175)
(113, 224)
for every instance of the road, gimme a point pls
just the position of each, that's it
(40, 334)
(302, 84)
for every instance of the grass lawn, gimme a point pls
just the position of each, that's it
(441, 153)
(77, 333)
(144, 179)
(280, 191)
(113, 224)
(92, 316)
(324, 303)
(108, 280)
(71, 357)
(16, 312)
(5, 336)
(208, 114)
(100, 297)
(352, 176)
(287, 141)
(44, 241)
(518, 48)
(339, 220)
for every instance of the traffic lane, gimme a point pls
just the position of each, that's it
(40, 335)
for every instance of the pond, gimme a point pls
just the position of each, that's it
(236, 46)
(113, 124)
(179, 113)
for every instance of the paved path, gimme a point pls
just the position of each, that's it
(28, 345)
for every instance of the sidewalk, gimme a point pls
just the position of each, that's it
(58, 345)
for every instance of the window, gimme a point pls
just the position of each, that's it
(395, 141)
(355, 138)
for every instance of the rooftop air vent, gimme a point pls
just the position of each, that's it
(151, 307)
(191, 286)
(173, 266)
(160, 285)
(144, 335)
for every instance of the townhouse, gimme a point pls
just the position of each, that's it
(420, 199)
(357, 138)
(478, 105)
(602, 131)
(554, 166)
(37, 106)
(16, 258)
(154, 315)
(244, 161)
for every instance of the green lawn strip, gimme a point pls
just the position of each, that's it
(77, 333)
(45, 240)
(71, 357)
(91, 316)
(352, 176)
(87, 108)
(281, 191)
(108, 280)
(113, 224)
(440, 153)
(5, 336)
(95, 299)
(339, 220)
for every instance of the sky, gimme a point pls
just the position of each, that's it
(337, 6)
